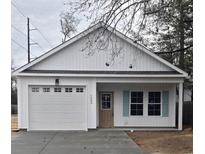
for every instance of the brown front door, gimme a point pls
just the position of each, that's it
(106, 110)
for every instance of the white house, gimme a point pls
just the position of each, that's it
(69, 88)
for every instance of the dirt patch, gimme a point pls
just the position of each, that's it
(165, 142)
(14, 122)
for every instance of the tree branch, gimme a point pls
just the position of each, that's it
(178, 50)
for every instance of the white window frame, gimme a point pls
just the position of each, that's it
(136, 103)
(46, 89)
(79, 90)
(154, 103)
(35, 89)
(68, 90)
(57, 91)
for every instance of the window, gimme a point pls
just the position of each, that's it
(136, 103)
(154, 105)
(69, 90)
(35, 89)
(106, 100)
(57, 89)
(46, 89)
(79, 90)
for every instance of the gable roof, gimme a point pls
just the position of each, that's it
(88, 31)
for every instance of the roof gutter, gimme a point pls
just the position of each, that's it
(102, 75)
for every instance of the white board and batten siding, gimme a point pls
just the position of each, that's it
(73, 58)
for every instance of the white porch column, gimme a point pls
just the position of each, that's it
(92, 109)
(180, 106)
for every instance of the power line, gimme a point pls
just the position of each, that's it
(18, 30)
(18, 9)
(42, 35)
(34, 57)
(32, 24)
(30, 38)
(40, 46)
(35, 28)
(36, 43)
(19, 44)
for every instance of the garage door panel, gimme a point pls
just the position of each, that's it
(53, 100)
(57, 120)
(55, 116)
(47, 102)
(56, 110)
(58, 126)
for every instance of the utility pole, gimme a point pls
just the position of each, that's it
(28, 31)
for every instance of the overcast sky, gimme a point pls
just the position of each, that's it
(44, 15)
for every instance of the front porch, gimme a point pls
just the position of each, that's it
(114, 113)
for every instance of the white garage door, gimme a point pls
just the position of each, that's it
(57, 108)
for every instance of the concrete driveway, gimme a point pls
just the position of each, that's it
(73, 142)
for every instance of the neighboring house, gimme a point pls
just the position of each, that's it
(187, 95)
(68, 89)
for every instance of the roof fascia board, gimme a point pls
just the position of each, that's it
(100, 75)
(140, 80)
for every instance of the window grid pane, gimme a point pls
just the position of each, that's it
(154, 106)
(105, 105)
(136, 103)
(35, 89)
(57, 89)
(106, 102)
(69, 90)
(79, 90)
(46, 89)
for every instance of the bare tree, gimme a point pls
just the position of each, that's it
(163, 25)
(13, 86)
(166, 26)
(127, 14)
(68, 25)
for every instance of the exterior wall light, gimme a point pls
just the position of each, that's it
(57, 82)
